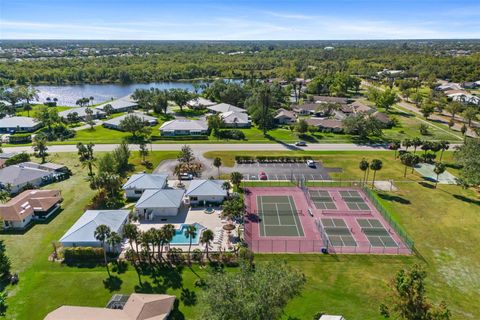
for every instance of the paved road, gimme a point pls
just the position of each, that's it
(204, 147)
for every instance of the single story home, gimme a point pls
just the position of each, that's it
(20, 210)
(206, 191)
(139, 182)
(450, 93)
(17, 176)
(328, 99)
(465, 98)
(114, 123)
(470, 85)
(82, 233)
(359, 107)
(284, 116)
(448, 86)
(139, 306)
(159, 203)
(47, 166)
(19, 124)
(224, 107)
(123, 104)
(184, 127)
(200, 103)
(383, 118)
(307, 109)
(233, 119)
(82, 114)
(326, 125)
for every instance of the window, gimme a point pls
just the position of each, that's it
(193, 198)
(138, 191)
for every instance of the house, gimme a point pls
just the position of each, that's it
(18, 124)
(233, 119)
(115, 123)
(138, 307)
(450, 93)
(123, 104)
(159, 203)
(383, 118)
(82, 114)
(20, 210)
(465, 98)
(331, 317)
(224, 107)
(16, 177)
(184, 127)
(82, 233)
(359, 107)
(328, 99)
(206, 191)
(326, 125)
(200, 103)
(470, 85)
(47, 166)
(307, 109)
(448, 86)
(138, 183)
(284, 116)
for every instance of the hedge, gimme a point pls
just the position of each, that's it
(82, 254)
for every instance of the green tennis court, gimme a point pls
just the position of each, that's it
(279, 216)
(322, 199)
(338, 233)
(354, 200)
(376, 233)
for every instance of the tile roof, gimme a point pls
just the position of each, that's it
(146, 181)
(27, 202)
(206, 188)
(164, 198)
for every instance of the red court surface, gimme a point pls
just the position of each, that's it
(340, 220)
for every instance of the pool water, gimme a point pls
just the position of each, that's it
(180, 239)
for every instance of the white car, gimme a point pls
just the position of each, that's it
(311, 163)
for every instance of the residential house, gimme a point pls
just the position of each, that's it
(82, 233)
(16, 177)
(138, 307)
(326, 125)
(284, 116)
(359, 107)
(123, 104)
(115, 123)
(184, 127)
(328, 99)
(19, 211)
(82, 114)
(206, 192)
(224, 107)
(139, 182)
(19, 124)
(450, 93)
(159, 203)
(233, 119)
(448, 86)
(465, 98)
(200, 103)
(383, 118)
(470, 85)
(307, 109)
(47, 166)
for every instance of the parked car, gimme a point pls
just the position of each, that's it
(311, 163)
(262, 176)
(301, 144)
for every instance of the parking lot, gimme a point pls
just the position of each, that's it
(285, 171)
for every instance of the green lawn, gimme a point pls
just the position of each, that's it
(35, 107)
(443, 222)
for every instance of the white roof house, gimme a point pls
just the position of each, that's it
(138, 183)
(330, 317)
(114, 123)
(200, 103)
(82, 233)
(120, 105)
(465, 98)
(206, 191)
(161, 202)
(184, 127)
(18, 124)
(236, 119)
(224, 107)
(81, 112)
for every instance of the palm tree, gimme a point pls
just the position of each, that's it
(102, 232)
(206, 238)
(444, 145)
(364, 165)
(439, 169)
(226, 186)
(376, 165)
(407, 143)
(131, 233)
(40, 146)
(236, 178)
(86, 157)
(454, 108)
(168, 233)
(113, 240)
(406, 160)
(416, 142)
(27, 107)
(190, 233)
(91, 100)
(395, 145)
(217, 162)
(415, 160)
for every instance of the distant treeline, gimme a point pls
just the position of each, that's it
(160, 61)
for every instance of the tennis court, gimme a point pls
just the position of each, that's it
(376, 233)
(354, 200)
(322, 199)
(338, 233)
(279, 216)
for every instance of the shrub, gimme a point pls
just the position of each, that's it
(424, 129)
(82, 254)
(232, 134)
(20, 138)
(18, 158)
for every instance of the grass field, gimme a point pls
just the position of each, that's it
(443, 222)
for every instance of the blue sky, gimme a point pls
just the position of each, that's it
(239, 20)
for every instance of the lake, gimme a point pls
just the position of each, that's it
(67, 95)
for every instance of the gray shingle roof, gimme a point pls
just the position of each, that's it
(163, 198)
(146, 181)
(116, 121)
(192, 125)
(206, 188)
(13, 122)
(17, 175)
(84, 229)
(225, 107)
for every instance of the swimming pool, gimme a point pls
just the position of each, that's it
(180, 239)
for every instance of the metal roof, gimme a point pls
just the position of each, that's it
(184, 124)
(206, 188)
(163, 198)
(121, 103)
(80, 111)
(235, 117)
(117, 120)
(18, 174)
(14, 122)
(225, 107)
(146, 181)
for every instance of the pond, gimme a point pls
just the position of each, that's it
(67, 95)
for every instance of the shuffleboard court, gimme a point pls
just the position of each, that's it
(376, 233)
(338, 233)
(279, 216)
